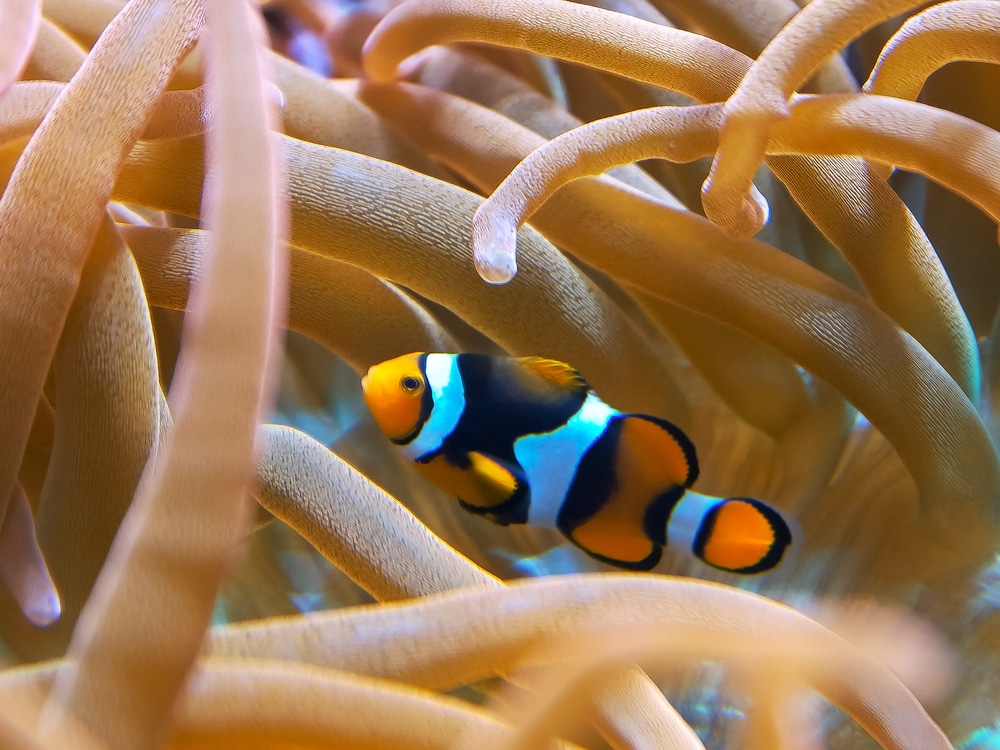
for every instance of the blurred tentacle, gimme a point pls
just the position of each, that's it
(630, 710)
(760, 384)
(22, 566)
(258, 704)
(16, 732)
(21, 19)
(850, 529)
(178, 114)
(254, 703)
(105, 378)
(110, 98)
(43, 428)
(622, 693)
(564, 695)
(567, 692)
(490, 632)
(781, 716)
(85, 20)
(24, 107)
(353, 523)
(811, 447)
(355, 315)
(132, 652)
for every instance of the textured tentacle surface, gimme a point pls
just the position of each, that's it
(826, 367)
(663, 60)
(354, 314)
(793, 55)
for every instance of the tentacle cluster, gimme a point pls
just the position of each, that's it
(180, 190)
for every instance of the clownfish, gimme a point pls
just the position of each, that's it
(526, 440)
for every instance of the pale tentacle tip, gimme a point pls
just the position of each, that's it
(496, 266)
(760, 209)
(43, 609)
(274, 95)
(494, 245)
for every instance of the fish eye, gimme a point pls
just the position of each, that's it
(409, 384)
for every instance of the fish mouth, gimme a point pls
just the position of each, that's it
(364, 380)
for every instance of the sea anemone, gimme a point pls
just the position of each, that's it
(777, 260)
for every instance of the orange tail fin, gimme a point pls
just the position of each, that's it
(738, 534)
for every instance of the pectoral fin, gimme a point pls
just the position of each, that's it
(484, 485)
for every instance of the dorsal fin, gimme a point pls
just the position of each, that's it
(558, 373)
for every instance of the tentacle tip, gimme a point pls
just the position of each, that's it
(274, 95)
(44, 611)
(494, 246)
(496, 266)
(757, 207)
(740, 220)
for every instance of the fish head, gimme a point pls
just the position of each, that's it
(397, 396)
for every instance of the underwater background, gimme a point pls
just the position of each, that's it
(218, 216)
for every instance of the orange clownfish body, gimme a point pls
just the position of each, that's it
(526, 440)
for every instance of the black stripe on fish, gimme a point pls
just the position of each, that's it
(498, 410)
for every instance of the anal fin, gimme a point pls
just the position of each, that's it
(632, 551)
